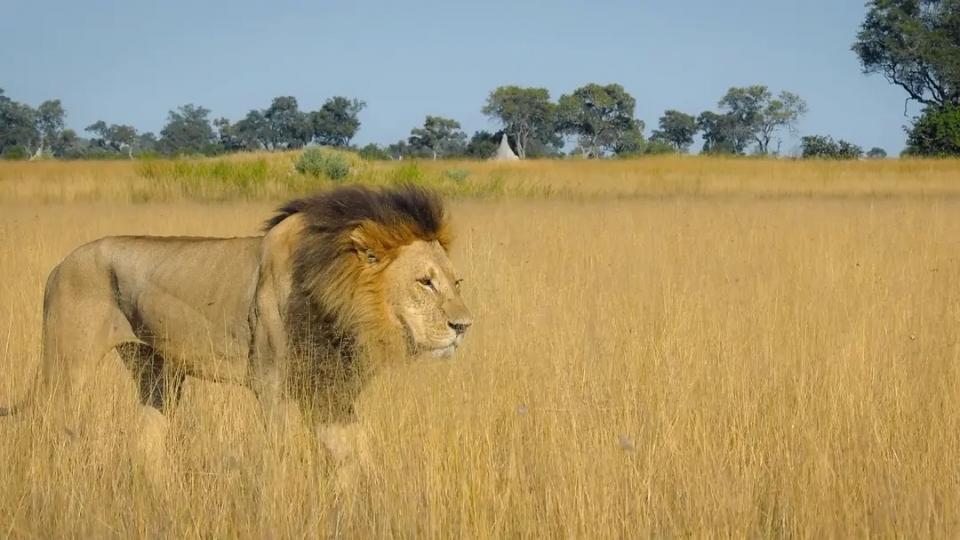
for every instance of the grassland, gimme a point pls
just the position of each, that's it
(664, 347)
(260, 177)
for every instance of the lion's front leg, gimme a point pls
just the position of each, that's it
(150, 452)
(276, 408)
(349, 446)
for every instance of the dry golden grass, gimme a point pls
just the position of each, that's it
(684, 366)
(270, 176)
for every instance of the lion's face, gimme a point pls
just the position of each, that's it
(423, 295)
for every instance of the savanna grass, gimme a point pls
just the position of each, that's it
(720, 362)
(272, 176)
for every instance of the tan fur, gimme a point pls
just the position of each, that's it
(335, 288)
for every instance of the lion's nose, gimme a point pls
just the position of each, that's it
(460, 325)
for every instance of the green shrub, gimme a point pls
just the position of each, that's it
(409, 172)
(317, 162)
(16, 153)
(457, 175)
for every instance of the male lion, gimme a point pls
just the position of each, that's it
(339, 283)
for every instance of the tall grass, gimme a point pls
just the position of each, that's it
(273, 176)
(755, 348)
(705, 367)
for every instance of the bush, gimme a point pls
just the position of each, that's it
(819, 146)
(936, 133)
(373, 152)
(16, 153)
(317, 162)
(409, 172)
(457, 175)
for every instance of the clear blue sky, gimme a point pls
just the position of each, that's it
(129, 62)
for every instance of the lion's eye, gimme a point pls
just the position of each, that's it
(457, 283)
(426, 282)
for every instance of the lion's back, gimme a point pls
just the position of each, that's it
(187, 296)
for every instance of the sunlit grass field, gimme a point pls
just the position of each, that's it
(663, 347)
(269, 176)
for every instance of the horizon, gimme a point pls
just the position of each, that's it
(131, 65)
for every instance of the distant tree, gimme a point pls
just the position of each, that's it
(18, 126)
(936, 133)
(652, 148)
(440, 136)
(337, 121)
(914, 44)
(147, 142)
(188, 130)
(599, 117)
(819, 146)
(113, 138)
(252, 131)
(67, 145)
(126, 136)
(285, 125)
(758, 115)
(526, 114)
(677, 129)
(631, 142)
(483, 145)
(51, 119)
(876, 153)
(721, 134)
(232, 137)
(374, 152)
(400, 149)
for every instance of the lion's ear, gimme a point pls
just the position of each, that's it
(368, 256)
(364, 247)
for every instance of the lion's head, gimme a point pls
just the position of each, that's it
(372, 267)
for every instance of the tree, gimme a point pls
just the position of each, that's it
(914, 44)
(337, 121)
(374, 152)
(525, 114)
(720, 135)
(483, 144)
(819, 146)
(876, 153)
(188, 130)
(285, 126)
(233, 138)
(252, 130)
(67, 145)
(440, 136)
(600, 117)
(677, 129)
(758, 115)
(936, 133)
(113, 138)
(18, 126)
(147, 142)
(50, 120)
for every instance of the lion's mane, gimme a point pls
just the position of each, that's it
(337, 308)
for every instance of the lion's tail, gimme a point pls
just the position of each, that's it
(24, 403)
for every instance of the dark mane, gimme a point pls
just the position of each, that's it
(344, 208)
(336, 296)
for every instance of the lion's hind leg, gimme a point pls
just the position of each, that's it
(159, 392)
(81, 325)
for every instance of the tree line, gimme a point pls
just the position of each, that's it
(598, 119)
(914, 44)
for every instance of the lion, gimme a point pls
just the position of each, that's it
(339, 284)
